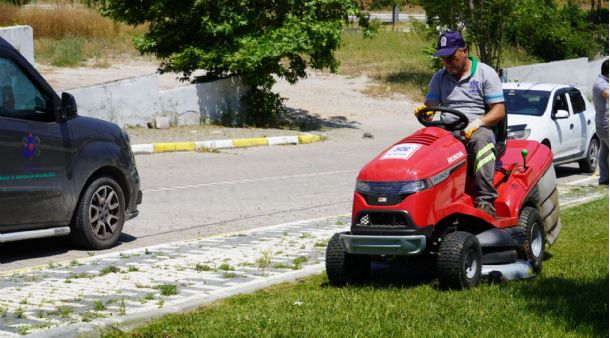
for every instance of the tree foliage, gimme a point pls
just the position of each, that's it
(553, 33)
(256, 39)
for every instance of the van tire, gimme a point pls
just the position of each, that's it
(100, 215)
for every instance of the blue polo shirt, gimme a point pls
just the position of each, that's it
(470, 95)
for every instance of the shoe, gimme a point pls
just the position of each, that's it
(487, 208)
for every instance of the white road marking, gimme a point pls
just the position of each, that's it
(248, 180)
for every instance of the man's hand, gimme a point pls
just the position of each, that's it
(429, 114)
(472, 127)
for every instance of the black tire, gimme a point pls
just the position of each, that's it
(589, 163)
(459, 261)
(343, 268)
(100, 215)
(532, 249)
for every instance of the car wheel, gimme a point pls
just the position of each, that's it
(344, 268)
(459, 261)
(589, 163)
(100, 215)
(532, 249)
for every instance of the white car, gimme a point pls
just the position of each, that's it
(556, 115)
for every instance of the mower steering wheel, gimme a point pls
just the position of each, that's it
(460, 124)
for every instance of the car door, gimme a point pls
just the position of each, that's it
(581, 123)
(565, 123)
(35, 153)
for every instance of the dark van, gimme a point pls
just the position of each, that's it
(60, 173)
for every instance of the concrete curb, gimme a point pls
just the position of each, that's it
(224, 144)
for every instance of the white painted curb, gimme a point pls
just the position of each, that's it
(151, 148)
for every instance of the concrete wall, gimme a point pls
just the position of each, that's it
(577, 72)
(138, 100)
(22, 38)
(132, 101)
(202, 102)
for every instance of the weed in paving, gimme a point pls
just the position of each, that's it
(109, 269)
(167, 289)
(20, 313)
(63, 311)
(230, 274)
(226, 267)
(133, 268)
(298, 262)
(281, 266)
(74, 275)
(99, 305)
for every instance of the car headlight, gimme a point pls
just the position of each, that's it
(518, 134)
(391, 188)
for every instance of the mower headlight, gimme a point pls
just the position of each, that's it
(390, 188)
(412, 186)
(518, 134)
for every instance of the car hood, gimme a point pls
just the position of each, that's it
(516, 120)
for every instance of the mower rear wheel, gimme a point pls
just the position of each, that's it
(532, 249)
(459, 261)
(344, 268)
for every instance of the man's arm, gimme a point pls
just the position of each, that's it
(494, 115)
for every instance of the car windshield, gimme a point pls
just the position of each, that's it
(526, 102)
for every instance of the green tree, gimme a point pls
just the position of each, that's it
(553, 33)
(256, 39)
(483, 21)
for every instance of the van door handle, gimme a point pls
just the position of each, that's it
(588, 122)
(571, 126)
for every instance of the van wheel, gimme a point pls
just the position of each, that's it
(100, 215)
(459, 261)
(343, 268)
(532, 249)
(589, 163)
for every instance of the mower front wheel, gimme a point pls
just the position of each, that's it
(459, 261)
(343, 268)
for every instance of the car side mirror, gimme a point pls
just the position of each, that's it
(561, 114)
(68, 106)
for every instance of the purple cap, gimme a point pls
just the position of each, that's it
(448, 43)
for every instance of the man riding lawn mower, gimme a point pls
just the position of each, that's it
(417, 198)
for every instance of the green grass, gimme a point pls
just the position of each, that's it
(397, 63)
(570, 299)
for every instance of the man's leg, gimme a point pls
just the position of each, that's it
(482, 151)
(603, 155)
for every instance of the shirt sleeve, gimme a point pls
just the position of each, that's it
(492, 88)
(434, 88)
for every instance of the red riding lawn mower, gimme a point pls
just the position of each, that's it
(416, 199)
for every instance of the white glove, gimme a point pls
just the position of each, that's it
(472, 127)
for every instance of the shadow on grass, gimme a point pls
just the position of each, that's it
(397, 275)
(579, 304)
(304, 120)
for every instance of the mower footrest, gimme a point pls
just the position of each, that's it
(383, 245)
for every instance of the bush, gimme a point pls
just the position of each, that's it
(554, 34)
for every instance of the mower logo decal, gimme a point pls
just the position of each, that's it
(453, 158)
(401, 151)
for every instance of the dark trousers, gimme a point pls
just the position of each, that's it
(482, 159)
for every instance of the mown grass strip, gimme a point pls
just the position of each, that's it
(570, 298)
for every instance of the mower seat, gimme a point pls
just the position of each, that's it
(501, 133)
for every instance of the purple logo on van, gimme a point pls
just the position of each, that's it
(31, 146)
